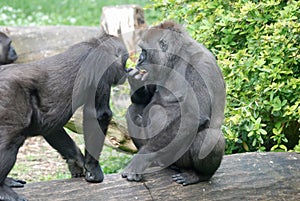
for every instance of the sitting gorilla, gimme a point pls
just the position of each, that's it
(178, 100)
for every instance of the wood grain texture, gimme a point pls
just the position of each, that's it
(248, 176)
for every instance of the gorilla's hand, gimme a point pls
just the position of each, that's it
(133, 72)
(135, 78)
(140, 92)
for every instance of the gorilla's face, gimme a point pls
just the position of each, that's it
(158, 57)
(7, 52)
(151, 68)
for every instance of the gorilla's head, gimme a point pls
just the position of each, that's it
(161, 47)
(7, 52)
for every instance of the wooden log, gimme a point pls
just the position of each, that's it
(35, 43)
(117, 135)
(248, 176)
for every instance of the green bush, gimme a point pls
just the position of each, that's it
(257, 45)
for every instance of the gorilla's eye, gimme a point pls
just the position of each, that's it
(163, 45)
(118, 52)
(142, 57)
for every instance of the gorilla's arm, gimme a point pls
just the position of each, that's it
(97, 115)
(167, 125)
(143, 95)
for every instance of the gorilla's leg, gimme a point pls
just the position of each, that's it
(204, 159)
(94, 135)
(134, 119)
(63, 143)
(9, 147)
(155, 133)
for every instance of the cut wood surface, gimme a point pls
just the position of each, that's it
(125, 21)
(248, 176)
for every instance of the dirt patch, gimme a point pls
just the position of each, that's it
(38, 161)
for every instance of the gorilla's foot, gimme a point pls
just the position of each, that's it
(75, 168)
(14, 183)
(132, 176)
(188, 178)
(93, 173)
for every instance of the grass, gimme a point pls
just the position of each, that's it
(58, 12)
(37, 161)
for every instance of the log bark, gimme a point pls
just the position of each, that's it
(248, 176)
(35, 43)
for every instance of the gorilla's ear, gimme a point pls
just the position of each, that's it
(163, 45)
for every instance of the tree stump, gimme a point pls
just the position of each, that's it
(126, 22)
(248, 176)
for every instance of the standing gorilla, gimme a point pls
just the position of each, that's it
(39, 98)
(7, 52)
(178, 99)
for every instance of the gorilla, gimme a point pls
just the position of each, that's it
(39, 98)
(7, 52)
(177, 110)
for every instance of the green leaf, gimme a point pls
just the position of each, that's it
(283, 147)
(262, 131)
(274, 147)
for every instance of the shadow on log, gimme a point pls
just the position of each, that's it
(249, 176)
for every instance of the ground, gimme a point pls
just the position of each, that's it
(38, 161)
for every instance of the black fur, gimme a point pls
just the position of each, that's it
(7, 52)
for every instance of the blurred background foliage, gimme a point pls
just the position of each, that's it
(60, 12)
(257, 45)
